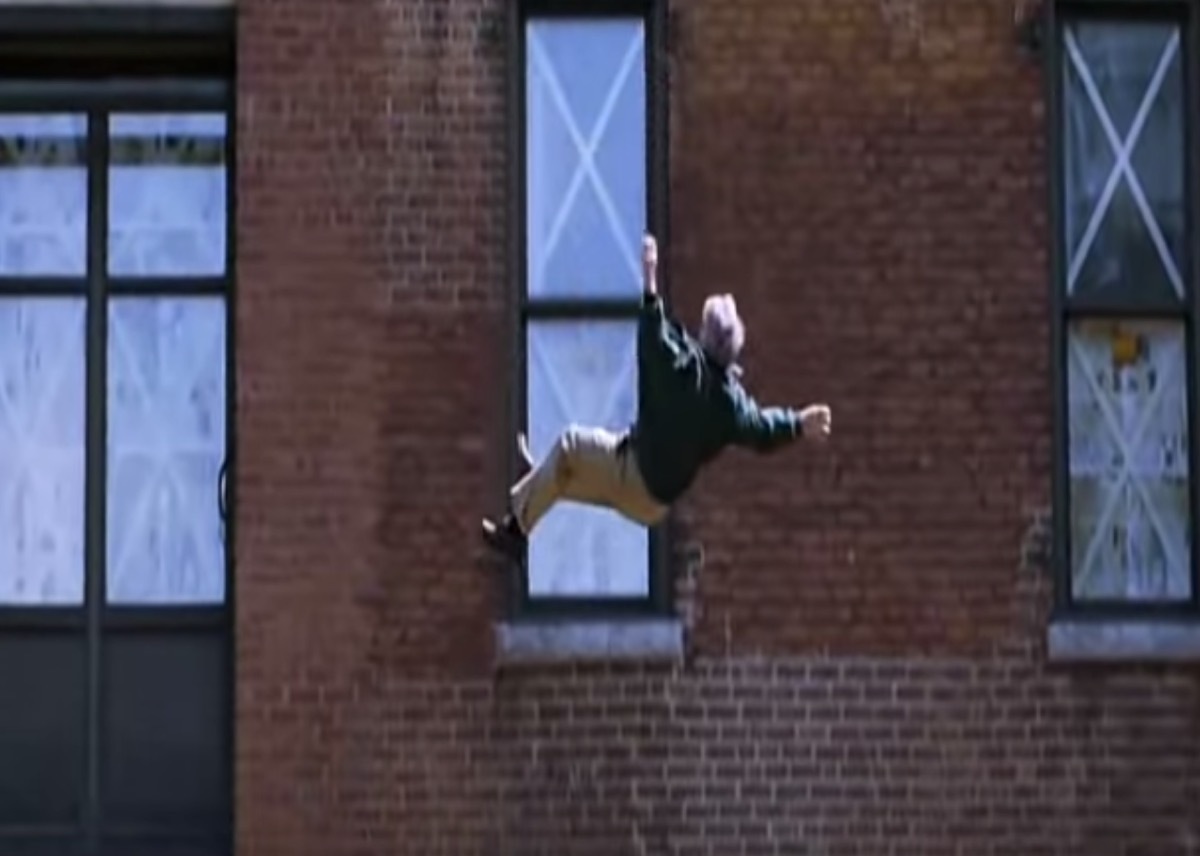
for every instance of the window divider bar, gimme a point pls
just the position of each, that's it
(1074, 308)
(586, 606)
(184, 95)
(36, 286)
(228, 498)
(1134, 10)
(1193, 456)
(95, 465)
(565, 309)
(516, 262)
(658, 191)
(1054, 139)
(168, 287)
(83, 20)
(1092, 609)
(1191, 166)
(584, 8)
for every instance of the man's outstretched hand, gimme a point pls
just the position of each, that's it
(650, 264)
(816, 420)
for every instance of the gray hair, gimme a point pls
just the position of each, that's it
(722, 333)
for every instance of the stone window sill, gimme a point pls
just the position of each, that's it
(589, 640)
(1115, 641)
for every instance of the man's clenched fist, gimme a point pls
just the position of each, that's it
(650, 264)
(817, 422)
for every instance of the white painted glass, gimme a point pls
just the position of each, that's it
(1128, 425)
(585, 156)
(167, 195)
(42, 438)
(166, 442)
(1125, 206)
(43, 195)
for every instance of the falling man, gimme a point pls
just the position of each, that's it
(691, 405)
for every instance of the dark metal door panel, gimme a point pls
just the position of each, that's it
(165, 735)
(41, 729)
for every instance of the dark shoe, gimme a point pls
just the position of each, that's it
(505, 537)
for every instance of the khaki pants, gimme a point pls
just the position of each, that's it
(586, 465)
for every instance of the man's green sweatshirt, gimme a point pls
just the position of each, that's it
(690, 408)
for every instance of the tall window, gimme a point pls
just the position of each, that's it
(115, 271)
(1126, 330)
(588, 191)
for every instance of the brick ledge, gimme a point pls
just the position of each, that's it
(559, 640)
(1123, 641)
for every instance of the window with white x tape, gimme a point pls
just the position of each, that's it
(1127, 379)
(1124, 212)
(586, 212)
(1129, 498)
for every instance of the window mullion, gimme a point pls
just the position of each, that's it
(1116, 307)
(95, 479)
(580, 310)
(1191, 88)
(1193, 405)
(37, 286)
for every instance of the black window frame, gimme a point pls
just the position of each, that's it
(100, 61)
(1056, 16)
(522, 311)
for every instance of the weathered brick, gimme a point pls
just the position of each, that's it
(865, 620)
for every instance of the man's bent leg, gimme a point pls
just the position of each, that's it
(578, 467)
(587, 465)
(572, 459)
(591, 466)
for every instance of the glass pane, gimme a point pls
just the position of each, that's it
(586, 156)
(41, 451)
(1128, 425)
(166, 441)
(1124, 158)
(43, 195)
(586, 373)
(166, 202)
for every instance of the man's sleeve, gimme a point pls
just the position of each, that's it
(659, 337)
(764, 429)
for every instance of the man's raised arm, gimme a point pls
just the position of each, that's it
(657, 332)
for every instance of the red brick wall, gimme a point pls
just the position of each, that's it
(867, 673)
